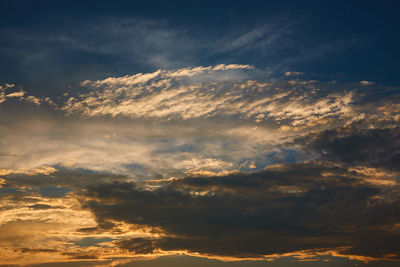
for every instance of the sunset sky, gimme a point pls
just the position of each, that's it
(199, 133)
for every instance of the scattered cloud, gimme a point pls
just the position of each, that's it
(21, 96)
(293, 73)
(366, 82)
(190, 94)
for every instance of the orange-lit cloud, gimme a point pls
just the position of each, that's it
(193, 162)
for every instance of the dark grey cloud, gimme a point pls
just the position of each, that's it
(32, 250)
(138, 245)
(378, 148)
(279, 210)
(77, 255)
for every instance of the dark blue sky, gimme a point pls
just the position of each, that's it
(46, 45)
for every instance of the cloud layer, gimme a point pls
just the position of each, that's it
(219, 162)
(283, 209)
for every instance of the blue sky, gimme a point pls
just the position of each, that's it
(42, 40)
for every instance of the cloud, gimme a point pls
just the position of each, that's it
(214, 161)
(42, 170)
(207, 92)
(21, 96)
(377, 148)
(4, 96)
(39, 139)
(37, 228)
(284, 209)
(366, 82)
(293, 73)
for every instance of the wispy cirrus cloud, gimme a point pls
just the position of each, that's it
(203, 92)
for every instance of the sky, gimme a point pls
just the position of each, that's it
(199, 133)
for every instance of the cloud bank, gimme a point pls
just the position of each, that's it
(284, 209)
(220, 162)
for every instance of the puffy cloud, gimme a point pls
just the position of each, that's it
(283, 209)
